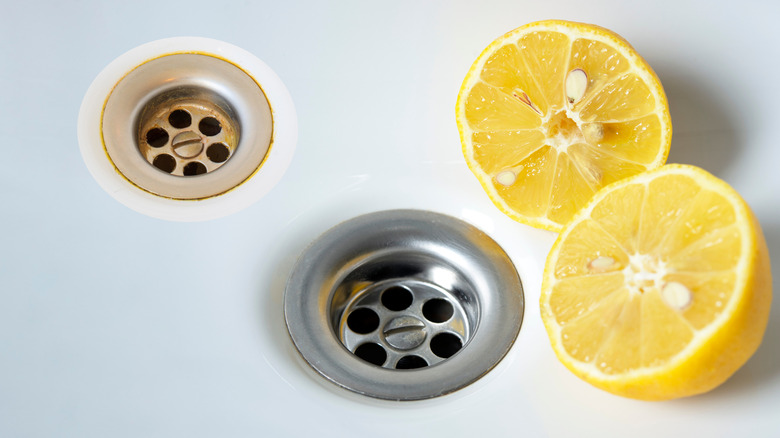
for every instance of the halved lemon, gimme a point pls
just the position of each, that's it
(660, 287)
(552, 111)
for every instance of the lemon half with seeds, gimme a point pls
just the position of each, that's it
(660, 287)
(553, 111)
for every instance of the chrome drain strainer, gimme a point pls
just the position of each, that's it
(187, 126)
(186, 119)
(186, 136)
(405, 323)
(403, 304)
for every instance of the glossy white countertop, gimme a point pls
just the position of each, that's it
(116, 324)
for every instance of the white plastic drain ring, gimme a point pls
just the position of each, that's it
(251, 182)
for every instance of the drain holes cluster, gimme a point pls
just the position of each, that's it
(403, 304)
(188, 139)
(404, 324)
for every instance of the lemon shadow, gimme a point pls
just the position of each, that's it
(706, 135)
(765, 364)
(704, 132)
(762, 370)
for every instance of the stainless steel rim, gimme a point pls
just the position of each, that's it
(349, 270)
(186, 165)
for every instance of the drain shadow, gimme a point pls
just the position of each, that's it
(295, 236)
(704, 134)
(270, 298)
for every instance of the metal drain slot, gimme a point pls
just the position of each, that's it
(403, 304)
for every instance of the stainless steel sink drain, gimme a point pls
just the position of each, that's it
(403, 304)
(187, 126)
(187, 119)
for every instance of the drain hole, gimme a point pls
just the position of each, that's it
(445, 345)
(397, 298)
(437, 310)
(165, 162)
(411, 362)
(209, 126)
(194, 168)
(156, 138)
(218, 152)
(372, 353)
(363, 321)
(180, 119)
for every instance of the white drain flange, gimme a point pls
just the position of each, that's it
(187, 129)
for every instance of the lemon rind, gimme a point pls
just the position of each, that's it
(626, 383)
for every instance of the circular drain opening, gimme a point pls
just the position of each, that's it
(410, 363)
(397, 298)
(445, 345)
(403, 304)
(157, 137)
(210, 126)
(371, 353)
(437, 310)
(363, 321)
(180, 119)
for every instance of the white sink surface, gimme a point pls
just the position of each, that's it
(116, 324)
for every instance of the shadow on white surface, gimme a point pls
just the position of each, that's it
(706, 135)
(764, 367)
(704, 132)
(280, 352)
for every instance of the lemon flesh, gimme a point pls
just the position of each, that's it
(552, 111)
(660, 287)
